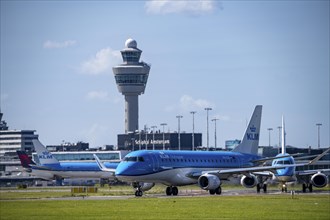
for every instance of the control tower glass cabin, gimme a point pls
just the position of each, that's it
(131, 79)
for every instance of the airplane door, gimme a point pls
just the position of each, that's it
(239, 162)
(155, 162)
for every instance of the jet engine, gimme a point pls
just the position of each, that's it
(209, 182)
(249, 181)
(143, 186)
(319, 180)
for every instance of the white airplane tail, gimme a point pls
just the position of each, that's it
(250, 142)
(44, 156)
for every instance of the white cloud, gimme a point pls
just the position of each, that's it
(98, 95)
(188, 103)
(54, 44)
(101, 62)
(174, 6)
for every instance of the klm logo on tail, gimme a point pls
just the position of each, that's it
(45, 155)
(252, 136)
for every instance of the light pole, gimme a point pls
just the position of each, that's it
(215, 131)
(153, 137)
(193, 130)
(318, 134)
(279, 138)
(207, 127)
(146, 130)
(139, 139)
(178, 117)
(163, 124)
(269, 130)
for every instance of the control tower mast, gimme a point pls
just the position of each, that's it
(131, 79)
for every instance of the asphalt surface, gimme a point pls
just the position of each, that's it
(182, 194)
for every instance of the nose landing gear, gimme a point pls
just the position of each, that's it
(138, 193)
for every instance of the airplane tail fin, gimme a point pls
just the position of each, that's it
(250, 142)
(283, 136)
(44, 156)
(26, 161)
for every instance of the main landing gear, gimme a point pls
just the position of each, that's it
(172, 190)
(305, 186)
(261, 186)
(216, 191)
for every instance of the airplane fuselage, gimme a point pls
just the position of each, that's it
(177, 168)
(73, 170)
(285, 174)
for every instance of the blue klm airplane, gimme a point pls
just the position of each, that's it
(209, 169)
(309, 178)
(50, 168)
(178, 168)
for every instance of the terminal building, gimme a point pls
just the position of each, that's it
(158, 141)
(231, 144)
(13, 140)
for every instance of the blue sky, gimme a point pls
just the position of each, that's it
(56, 60)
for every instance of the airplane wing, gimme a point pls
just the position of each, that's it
(102, 167)
(263, 170)
(247, 170)
(278, 157)
(311, 172)
(223, 174)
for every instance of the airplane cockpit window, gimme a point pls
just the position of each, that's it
(134, 159)
(281, 162)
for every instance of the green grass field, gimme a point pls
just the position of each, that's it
(16, 205)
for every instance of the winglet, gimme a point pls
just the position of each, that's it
(101, 165)
(319, 157)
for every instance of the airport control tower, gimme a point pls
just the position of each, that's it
(131, 78)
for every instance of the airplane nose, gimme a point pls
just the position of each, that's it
(121, 170)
